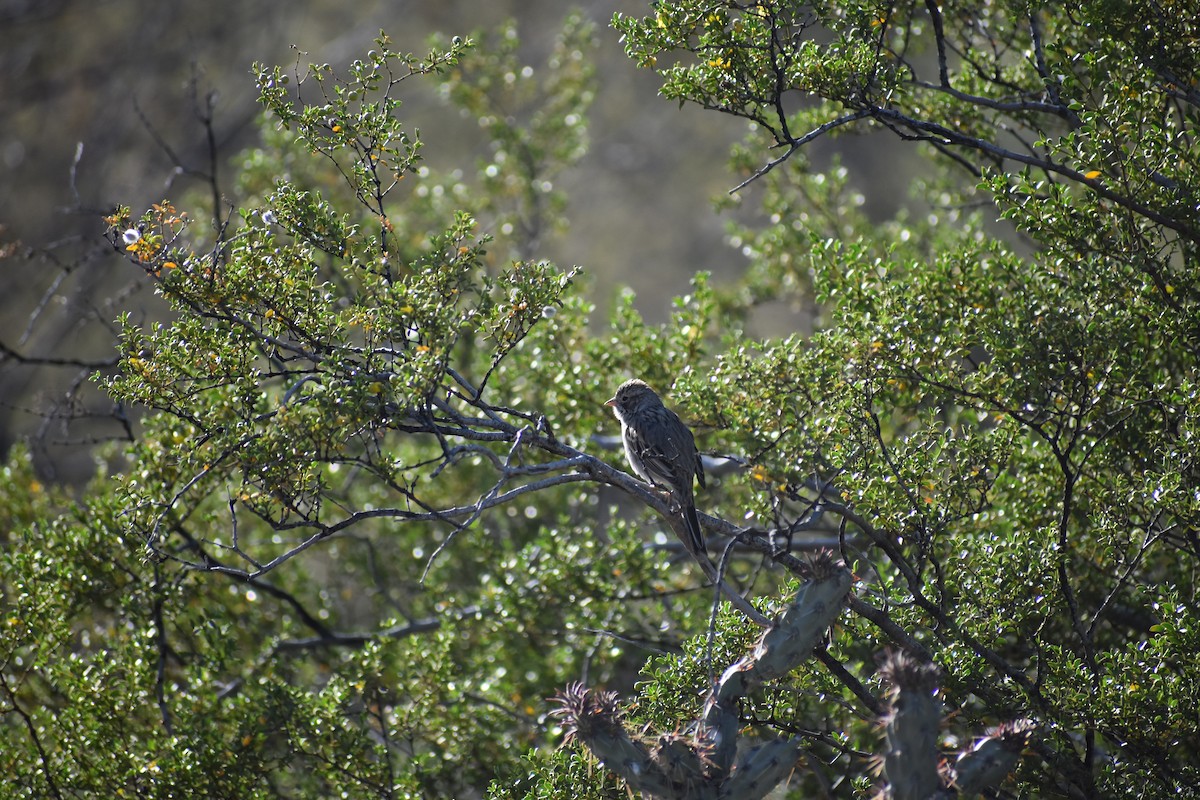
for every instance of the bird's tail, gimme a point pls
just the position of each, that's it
(692, 523)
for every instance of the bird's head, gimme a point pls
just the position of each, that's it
(632, 395)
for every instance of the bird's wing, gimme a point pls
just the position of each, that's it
(667, 455)
(655, 461)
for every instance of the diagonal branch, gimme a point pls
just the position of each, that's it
(796, 144)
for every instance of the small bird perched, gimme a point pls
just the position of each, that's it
(661, 449)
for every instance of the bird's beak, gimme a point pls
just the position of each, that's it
(612, 401)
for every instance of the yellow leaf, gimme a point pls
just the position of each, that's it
(1092, 174)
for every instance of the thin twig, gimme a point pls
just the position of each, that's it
(796, 144)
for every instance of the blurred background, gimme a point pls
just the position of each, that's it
(102, 73)
(96, 92)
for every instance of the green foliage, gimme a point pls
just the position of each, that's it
(1008, 418)
(355, 125)
(259, 626)
(535, 126)
(560, 773)
(367, 527)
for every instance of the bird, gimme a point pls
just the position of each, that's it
(660, 449)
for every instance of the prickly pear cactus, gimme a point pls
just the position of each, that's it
(713, 763)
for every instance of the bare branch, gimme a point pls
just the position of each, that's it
(796, 144)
